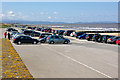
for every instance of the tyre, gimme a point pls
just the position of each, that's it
(66, 42)
(19, 43)
(51, 42)
(34, 42)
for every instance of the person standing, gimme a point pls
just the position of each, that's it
(9, 36)
(5, 34)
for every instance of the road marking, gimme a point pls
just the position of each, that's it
(79, 62)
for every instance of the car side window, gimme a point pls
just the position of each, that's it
(56, 37)
(27, 38)
(22, 37)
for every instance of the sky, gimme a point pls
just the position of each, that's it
(61, 11)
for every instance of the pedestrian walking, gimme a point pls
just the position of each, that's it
(9, 36)
(5, 34)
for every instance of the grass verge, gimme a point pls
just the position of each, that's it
(12, 65)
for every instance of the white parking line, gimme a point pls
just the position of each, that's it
(79, 62)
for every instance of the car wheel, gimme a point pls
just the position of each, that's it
(35, 42)
(19, 43)
(66, 42)
(51, 42)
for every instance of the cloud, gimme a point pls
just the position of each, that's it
(11, 12)
(49, 17)
(55, 12)
(43, 13)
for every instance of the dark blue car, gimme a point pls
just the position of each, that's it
(83, 36)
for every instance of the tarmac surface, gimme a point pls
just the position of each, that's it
(79, 59)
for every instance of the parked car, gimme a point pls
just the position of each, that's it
(60, 32)
(78, 34)
(68, 32)
(35, 34)
(24, 39)
(13, 33)
(52, 39)
(104, 38)
(83, 36)
(28, 32)
(118, 41)
(89, 37)
(95, 37)
(43, 40)
(22, 30)
(112, 39)
(42, 35)
(11, 29)
(29, 27)
(73, 34)
(17, 34)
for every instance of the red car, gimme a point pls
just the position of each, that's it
(118, 41)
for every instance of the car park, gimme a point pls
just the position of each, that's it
(53, 39)
(25, 39)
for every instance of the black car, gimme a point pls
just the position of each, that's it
(35, 34)
(25, 39)
(28, 32)
(11, 29)
(42, 35)
(89, 36)
(78, 34)
(68, 32)
(29, 27)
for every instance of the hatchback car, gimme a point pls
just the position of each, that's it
(52, 39)
(25, 39)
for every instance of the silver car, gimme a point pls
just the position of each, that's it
(52, 39)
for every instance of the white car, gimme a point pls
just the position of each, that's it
(72, 34)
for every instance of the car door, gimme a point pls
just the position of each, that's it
(22, 39)
(56, 39)
(28, 39)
